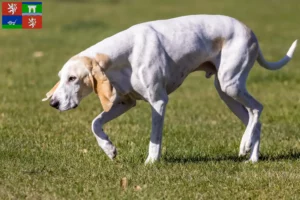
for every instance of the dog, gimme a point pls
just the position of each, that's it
(150, 60)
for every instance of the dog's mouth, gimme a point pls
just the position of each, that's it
(62, 109)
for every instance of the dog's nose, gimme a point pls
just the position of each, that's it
(54, 103)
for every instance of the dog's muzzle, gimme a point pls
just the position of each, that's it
(54, 103)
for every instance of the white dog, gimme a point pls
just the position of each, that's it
(150, 60)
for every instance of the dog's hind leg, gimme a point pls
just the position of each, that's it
(116, 110)
(254, 108)
(241, 112)
(232, 76)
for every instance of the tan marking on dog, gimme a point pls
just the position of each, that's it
(88, 62)
(50, 93)
(88, 81)
(103, 61)
(217, 44)
(98, 80)
(102, 87)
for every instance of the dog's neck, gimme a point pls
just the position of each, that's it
(117, 47)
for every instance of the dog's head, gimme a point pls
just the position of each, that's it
(78, 78)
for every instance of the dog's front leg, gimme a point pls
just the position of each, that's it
(158, 113)
(104, 117)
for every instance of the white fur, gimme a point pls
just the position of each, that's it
(152, 59)
(67, 92)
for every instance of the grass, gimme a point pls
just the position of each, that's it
(45, 154)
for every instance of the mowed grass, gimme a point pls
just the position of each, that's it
(45, 154)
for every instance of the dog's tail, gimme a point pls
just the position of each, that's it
(276, 65)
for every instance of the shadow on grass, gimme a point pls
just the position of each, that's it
(291, 155)
(234, 158)
(196, 159)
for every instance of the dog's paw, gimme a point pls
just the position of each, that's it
(110, 151)
(245, 147)
(242, 151)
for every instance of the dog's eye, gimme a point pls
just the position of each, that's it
(72, 78)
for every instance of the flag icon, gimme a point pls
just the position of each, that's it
(32, 22)
(32, 8)
(18, 15)
(11, 8)
(12, 22)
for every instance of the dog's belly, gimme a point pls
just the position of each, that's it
(178, 77)
(172, 87)
(175, 81)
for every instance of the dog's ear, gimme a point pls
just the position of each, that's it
(103, 61)
(100, 82)
(50, 93)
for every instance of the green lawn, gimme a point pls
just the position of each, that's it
(45, 154)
